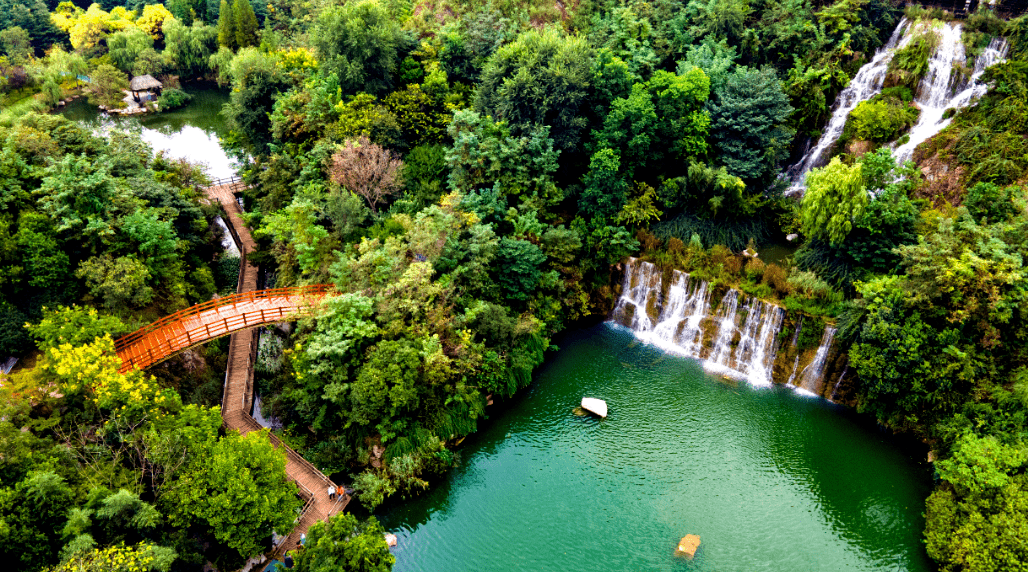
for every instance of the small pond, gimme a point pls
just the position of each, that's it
(192, 132)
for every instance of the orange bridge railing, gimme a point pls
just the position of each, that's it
(198, 324)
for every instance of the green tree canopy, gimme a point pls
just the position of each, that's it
(748, 122)
(361, 43)
(541, 78)
(834, 199)
(344, 544)
(238, 491)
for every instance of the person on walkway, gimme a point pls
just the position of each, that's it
(331, 492)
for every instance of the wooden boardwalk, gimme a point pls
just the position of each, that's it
(238, 315)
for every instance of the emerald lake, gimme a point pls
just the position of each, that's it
(770, 479)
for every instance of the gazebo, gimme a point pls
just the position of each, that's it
(145, 83)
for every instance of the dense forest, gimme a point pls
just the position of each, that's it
(469, 175)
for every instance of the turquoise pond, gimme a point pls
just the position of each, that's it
(770, 479)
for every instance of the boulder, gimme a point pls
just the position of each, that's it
(595, 406)
(688, 545)
(791, 237)
(390, 539)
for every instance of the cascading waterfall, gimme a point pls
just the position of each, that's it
(812, 378)
(865, 85)
(936, 92)
(755, 354)
(726, 313)
(688, 335)
(835, 388)
(641, 292)
(795, 370)
(740, 340)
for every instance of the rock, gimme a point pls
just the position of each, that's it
(390, 539)
(791, 237)
(931, 456)
(688, 545)
(192, 361)
(595, 406)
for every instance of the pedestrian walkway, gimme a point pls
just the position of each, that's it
(237, 315)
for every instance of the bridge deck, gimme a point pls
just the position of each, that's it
(234, 315)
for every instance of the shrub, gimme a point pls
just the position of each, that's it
(811, 285)
(719, 255)
(675, 245)
(733, 265)
(777, 278)
(881, 120)
(910, 62)
(755, 268)
(372, 488)
(173, 98)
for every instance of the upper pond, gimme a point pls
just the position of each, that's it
(191, 132)
(769, 479)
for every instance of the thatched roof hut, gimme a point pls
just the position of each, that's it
(145, 83)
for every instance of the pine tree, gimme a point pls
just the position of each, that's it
(246, 24)
(227, 26)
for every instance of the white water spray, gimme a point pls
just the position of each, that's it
(865, 85)
(935, 93)
(812, 378)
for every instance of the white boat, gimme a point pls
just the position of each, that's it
(595, 406)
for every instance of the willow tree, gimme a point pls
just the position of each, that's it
(835, 197)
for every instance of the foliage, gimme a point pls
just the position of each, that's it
(910, 62)
(237, 491)
(834, 199)
(881, 118)
(360, 42)
(748, 117)
(343, 543)
(172, 98)
(106, 87)
(541, 78)
(138, 558)
(368, 170)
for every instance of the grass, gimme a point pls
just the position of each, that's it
(12, 112)
(782, 285)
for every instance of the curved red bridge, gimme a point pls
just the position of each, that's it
(202, 323)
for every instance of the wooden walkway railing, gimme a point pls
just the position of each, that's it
(202, 323)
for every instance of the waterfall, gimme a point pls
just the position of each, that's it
(865, 85)
(795, 368)
(726, 312)
(685, 334)
(755, 354)
(675, 322)
(812, 378)
(835, 389)
(641, 293)
(935, 93)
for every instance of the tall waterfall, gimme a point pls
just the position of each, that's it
(937, 92)
(865, 85)
(741, 339)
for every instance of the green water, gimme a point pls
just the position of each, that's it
(769, 479)
(192, 132)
